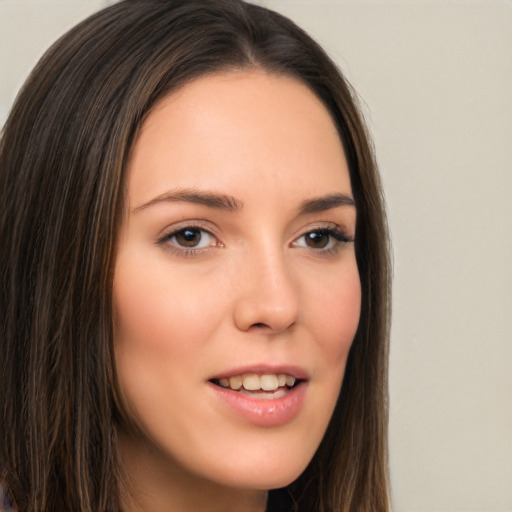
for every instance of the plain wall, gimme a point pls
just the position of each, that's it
(435, 79)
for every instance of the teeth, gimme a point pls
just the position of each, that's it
(235, 382)
(265, 395)
(254, 382)
(251, 382)
(290, 381)
(269, 382)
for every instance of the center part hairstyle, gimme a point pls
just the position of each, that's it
(63, 159)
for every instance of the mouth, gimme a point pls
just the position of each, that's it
(261, 397)
(266, 386)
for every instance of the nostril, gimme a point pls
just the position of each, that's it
(261, 314)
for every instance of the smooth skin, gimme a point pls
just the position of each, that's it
(227, 259)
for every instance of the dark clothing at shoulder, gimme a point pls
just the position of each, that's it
(5, 502)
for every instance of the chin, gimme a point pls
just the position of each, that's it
(264, 473)
(264, 481)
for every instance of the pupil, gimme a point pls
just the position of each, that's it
(189, 237)
(317, 240)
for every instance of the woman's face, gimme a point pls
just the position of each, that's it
(236, 289)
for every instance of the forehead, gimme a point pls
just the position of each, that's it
(238, 128)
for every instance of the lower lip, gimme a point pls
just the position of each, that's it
(262, 412)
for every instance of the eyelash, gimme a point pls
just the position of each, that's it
(184, 251)
(337, 238)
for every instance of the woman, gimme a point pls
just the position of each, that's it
(196, 258)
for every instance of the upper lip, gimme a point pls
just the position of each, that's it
(264, 369)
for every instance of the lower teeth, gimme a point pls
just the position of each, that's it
(265, 395)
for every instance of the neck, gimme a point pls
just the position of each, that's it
(151, 483)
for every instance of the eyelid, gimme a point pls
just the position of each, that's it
(335, 231)
(326, 226)
(173, 230)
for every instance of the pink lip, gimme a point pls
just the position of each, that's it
(259, 411)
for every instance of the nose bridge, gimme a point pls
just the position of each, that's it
(268, 294)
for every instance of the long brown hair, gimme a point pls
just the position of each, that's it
(62, 159)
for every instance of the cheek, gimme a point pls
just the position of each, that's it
(158, 308)
(334, 313)
(158, 328)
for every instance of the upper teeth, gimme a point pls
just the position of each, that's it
(254, 382)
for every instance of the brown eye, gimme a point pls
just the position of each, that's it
(317, 239)
(321, 239)
(190, 238)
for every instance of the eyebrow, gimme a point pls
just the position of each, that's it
(328, 202)
(230, 203)
(210, 199)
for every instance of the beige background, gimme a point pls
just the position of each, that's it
(436, 79)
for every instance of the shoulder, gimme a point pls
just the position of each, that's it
(5, 502)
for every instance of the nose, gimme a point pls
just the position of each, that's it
(268, 297)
